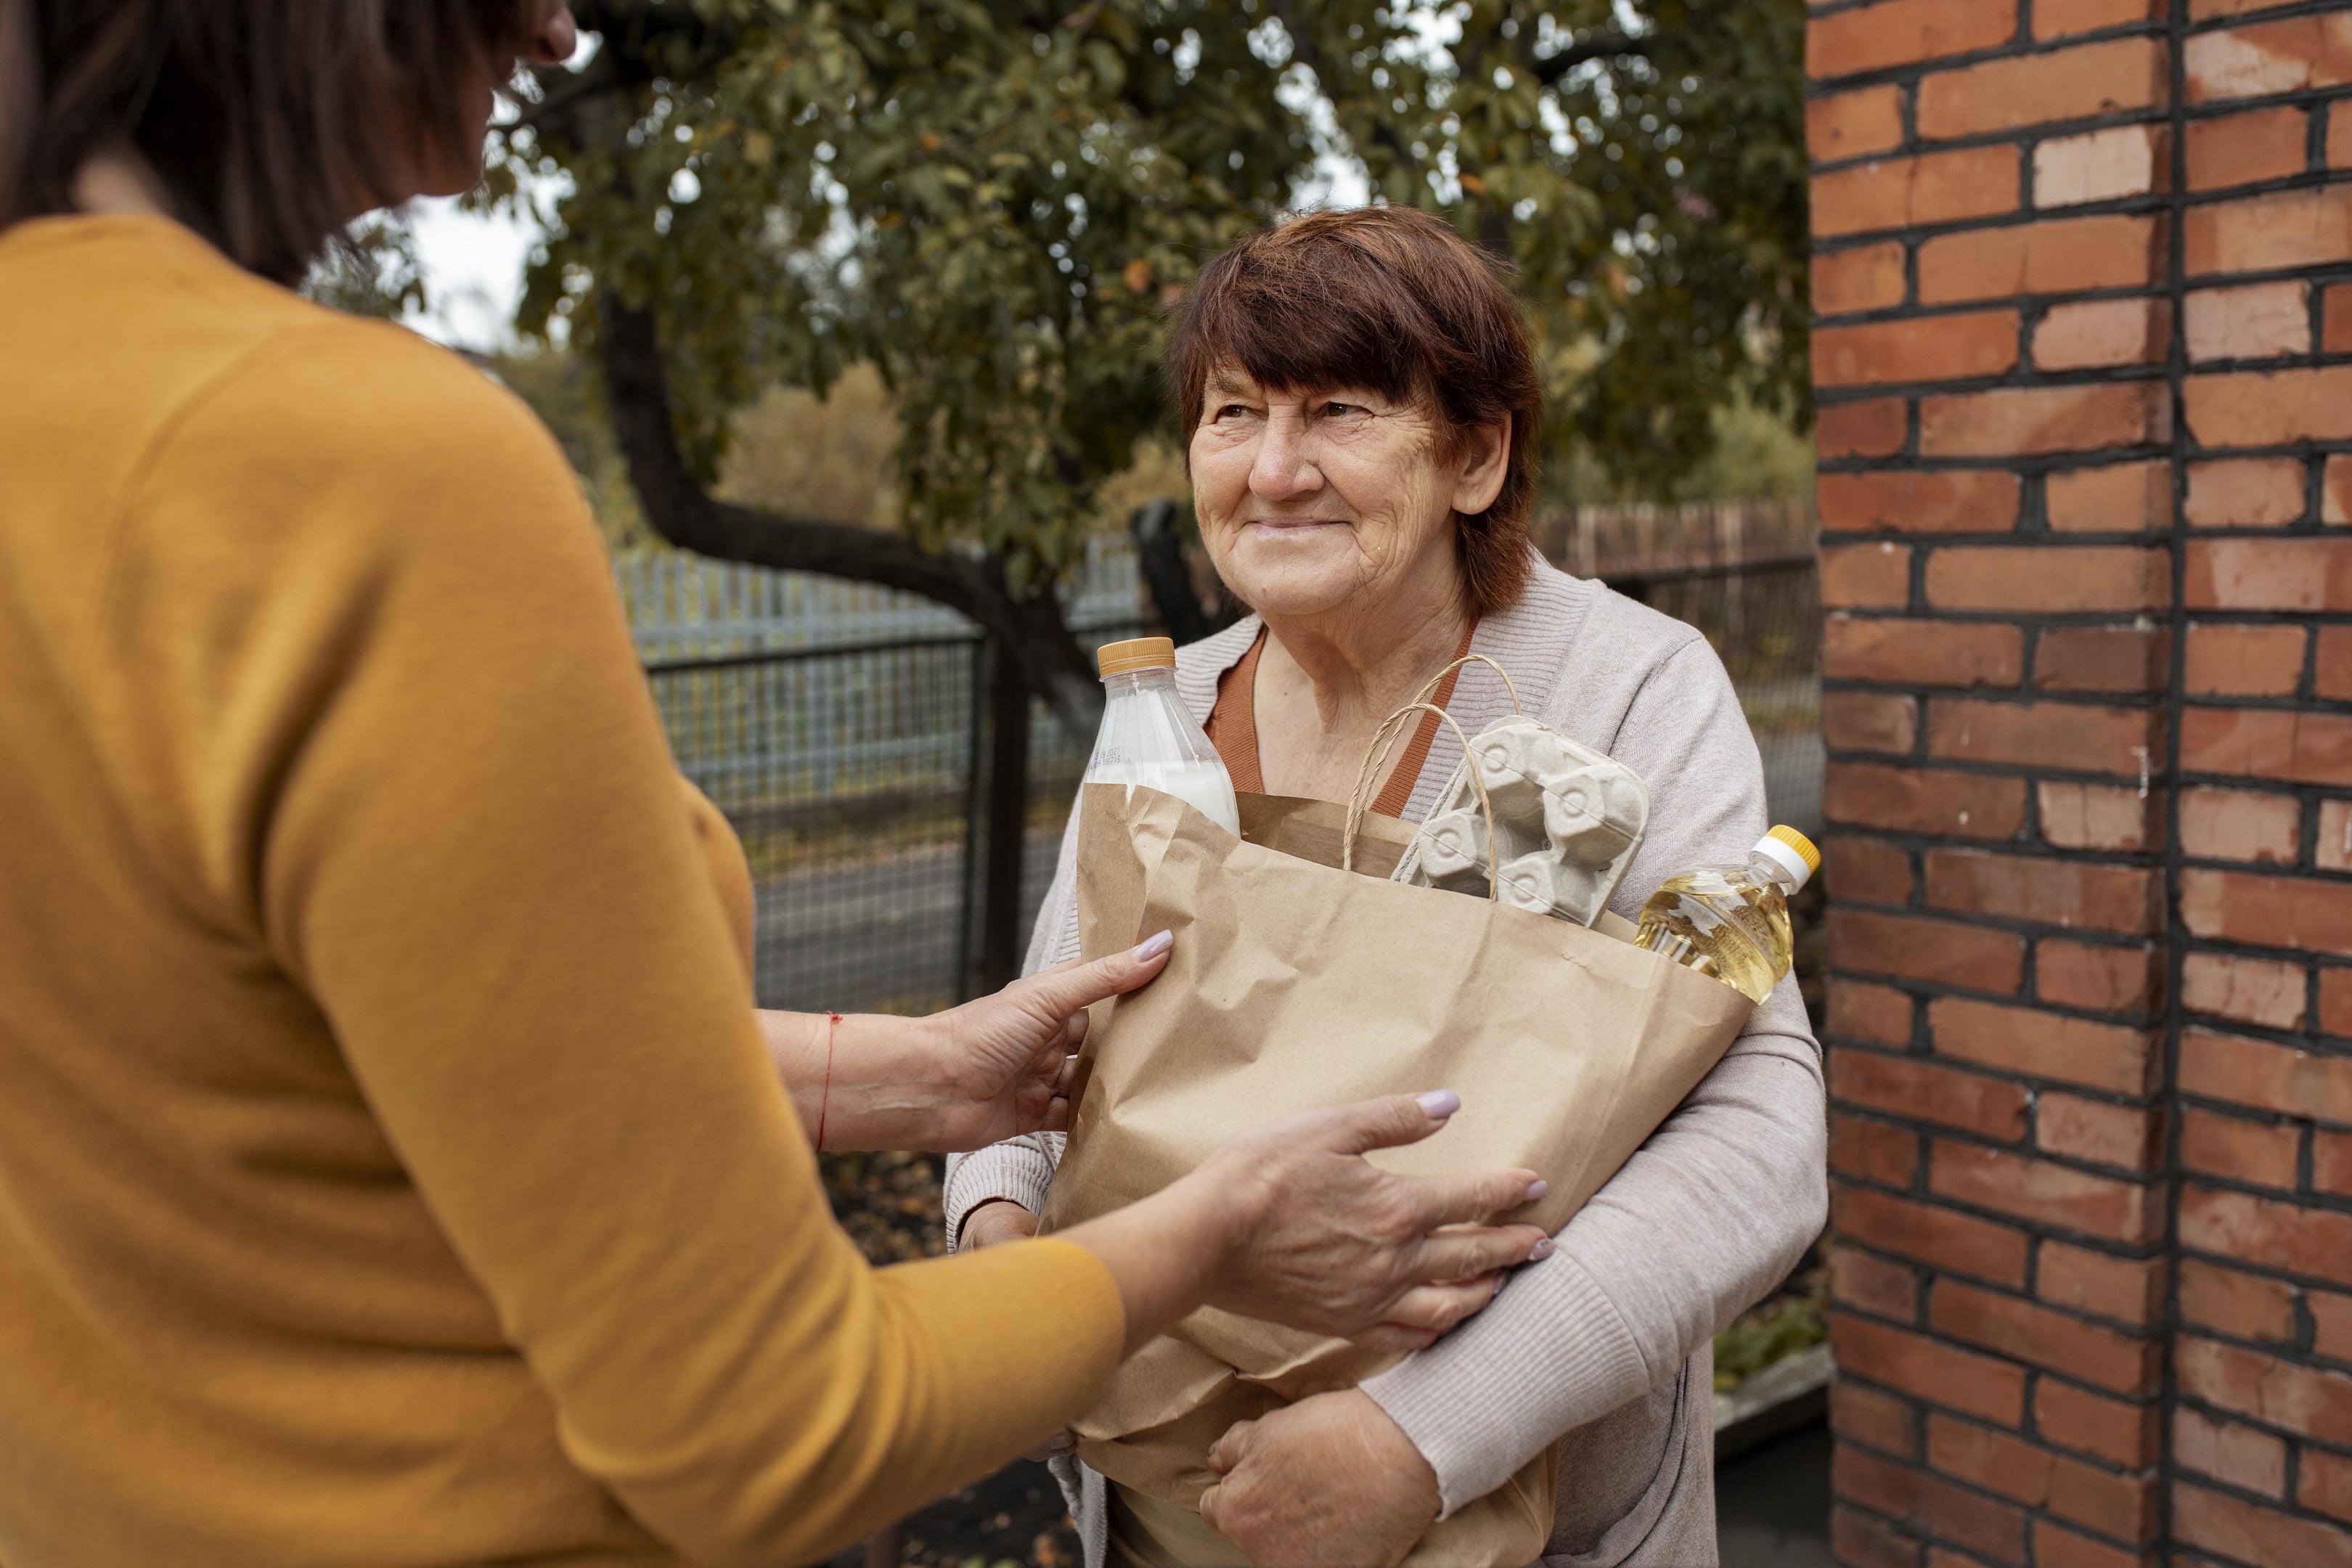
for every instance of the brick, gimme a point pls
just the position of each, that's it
(1873, 1284)
(2076, 578)
(1950, 1513)
(1920, 1091)
(2099, 1134)
(1912, 192)
(2244, 661)
(2023, 1472)
(1869, 721)
(1874, 1150)
(2103, 658)
(2054, 256)
(2092, 333)
(1922, 653)
(1924, 800)
(2249, 1532)
(2099, 817)
(2041, 1336)
(2108, 1056)
(2129, 1289)
(2287, 1079)
(2306, 1400)
(2331, 1162)
(1849, 124)
(2115, 497)
(2267, 912)
(1918, 348)
(2246, 149)
(1860, 277)
(2105, 979)
(1906, 947)
(2063, 19)
(1865, 577)
(2331, 1324)
(2335, 305)
(2245, 493)
(2075, 736)
(2070, 893)
(2332, 846)
(1859, 1010)
(2303, 748)
(2267, 232)
(2090, 1423)
(2239, 825)
(2245, 1305)
(2335, 1001)
(1867, 871)
(2056, 1546)
(2270, 1233)
(2259, 1153)
(2246, 1458)
(2258, 320)
(1860, 1541)
(2026, 421)
(1942, 1373)
(2086, 82)
(1862, 1414)
(2338, 149)
(1963, 501)
(1938, 1236)
(2299, 575)
(2326, 1483)
(1899, 32)
(2044, 1192)
(2250, 990)
(1873, 429)
(2332, 663)
(2098, 166)
(2271, 58)
(2336, 489)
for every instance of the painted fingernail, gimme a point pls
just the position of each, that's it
(1151, 947)
(1439, 1103)
(1542, 1249)
(1538, 1188)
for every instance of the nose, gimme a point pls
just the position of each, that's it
(557, 38)
(1284, 468)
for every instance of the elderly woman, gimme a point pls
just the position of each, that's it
(1362, 413)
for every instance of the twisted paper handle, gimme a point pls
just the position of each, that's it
(1358, 798)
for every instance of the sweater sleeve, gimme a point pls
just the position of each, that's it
(412, 734)
(1708, 1215)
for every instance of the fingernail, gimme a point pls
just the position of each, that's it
(1153, 947)
(1439, 1103)
(1538, 1188)
(1542, 1249)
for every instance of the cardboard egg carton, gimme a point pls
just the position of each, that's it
(1569, 819)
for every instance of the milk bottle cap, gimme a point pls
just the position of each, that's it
(1136, 653)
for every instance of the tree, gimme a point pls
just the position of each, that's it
(993, 202)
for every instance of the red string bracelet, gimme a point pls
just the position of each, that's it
(832, 1022)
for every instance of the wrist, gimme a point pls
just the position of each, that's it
(1394, 1451)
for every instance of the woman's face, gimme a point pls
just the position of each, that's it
(452, 171)
(1335, 498)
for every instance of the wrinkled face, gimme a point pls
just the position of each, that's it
(452, 171)
(1323, 499)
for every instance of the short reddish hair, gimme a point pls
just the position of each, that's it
(1390, 299)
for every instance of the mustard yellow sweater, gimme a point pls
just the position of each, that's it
(390, 1169)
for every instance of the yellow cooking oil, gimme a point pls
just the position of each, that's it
(1732, 921)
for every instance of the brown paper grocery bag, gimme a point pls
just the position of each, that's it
(1295, 984)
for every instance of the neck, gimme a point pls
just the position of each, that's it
(1363, 660)
(118, 180)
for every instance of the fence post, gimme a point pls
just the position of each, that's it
(1008, 811)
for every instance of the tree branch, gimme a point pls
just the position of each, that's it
(1605, 46)
(687, 515)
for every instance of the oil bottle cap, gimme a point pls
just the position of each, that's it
(1793, 851)
(1136, 653)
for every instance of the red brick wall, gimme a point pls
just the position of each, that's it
(2083, 356)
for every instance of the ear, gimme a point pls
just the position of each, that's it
(1480, 466)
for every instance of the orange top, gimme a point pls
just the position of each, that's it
(1233, 728)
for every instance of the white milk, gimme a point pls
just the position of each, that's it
(1204, 787)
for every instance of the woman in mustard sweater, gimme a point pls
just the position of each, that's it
(394, 1168)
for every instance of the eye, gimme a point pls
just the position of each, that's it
(1335, 409)
(1230, 411)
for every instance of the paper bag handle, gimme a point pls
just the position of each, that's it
(1429, 688)
(1359, 798)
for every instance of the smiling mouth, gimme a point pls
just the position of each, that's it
(1292, 524)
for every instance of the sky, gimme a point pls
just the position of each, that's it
(473, 265)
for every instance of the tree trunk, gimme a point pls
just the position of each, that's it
(1031, 629)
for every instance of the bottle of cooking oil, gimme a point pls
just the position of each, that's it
(1732, 921)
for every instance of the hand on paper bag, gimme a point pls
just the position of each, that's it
(1328, 1480)
(1328, 1242)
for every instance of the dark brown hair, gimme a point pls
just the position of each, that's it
(272, 122)
(1392, 301)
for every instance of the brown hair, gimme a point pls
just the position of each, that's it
(1392, 301)
(272, 122)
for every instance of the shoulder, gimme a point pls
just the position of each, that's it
(1592, 651)
(1199, 664)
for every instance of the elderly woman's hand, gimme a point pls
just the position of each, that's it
(1328, 1480)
